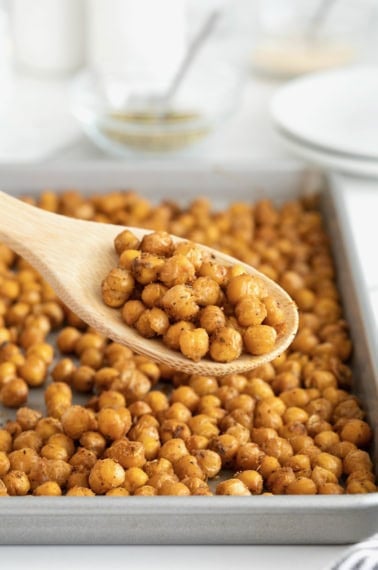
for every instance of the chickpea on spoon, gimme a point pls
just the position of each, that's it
(77, 258)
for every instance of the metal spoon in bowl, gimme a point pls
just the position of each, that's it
(74, 256)
(158, 105)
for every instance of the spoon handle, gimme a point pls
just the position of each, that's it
(21, 225)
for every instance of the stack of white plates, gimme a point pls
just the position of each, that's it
(331, 119)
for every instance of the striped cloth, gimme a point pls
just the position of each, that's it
(361, 556)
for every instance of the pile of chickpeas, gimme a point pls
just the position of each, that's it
(291, 426)
(194, 303)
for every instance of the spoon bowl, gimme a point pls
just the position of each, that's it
(74, 256)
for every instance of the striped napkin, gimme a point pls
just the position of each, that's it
(361, 556)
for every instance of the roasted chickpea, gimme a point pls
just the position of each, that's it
(177, 270)
(180, 303)
(16, 482)
(259, 339)
(209, 461)
(250, 311)
(234, 486)
(244, 286)
(33, 371)
(117, 287)
(125, 240)
(173, 334)
(225, 344)
(146, 268)
(194, 344)
(114, 424)
(14, 393)
(152, 294)
(127, 453)
(252, 480)
(67, 339)
(106, 474)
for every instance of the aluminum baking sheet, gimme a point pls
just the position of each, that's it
(218, 519)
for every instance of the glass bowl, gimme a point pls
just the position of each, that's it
(117, 115)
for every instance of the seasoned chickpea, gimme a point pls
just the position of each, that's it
(259, 339)
(180, 303)
(132, 311)
(173, 333)
(356, 431)
(33, 371)
(50, 488)
(206, 291)
(127, 453)
(244, 286)
(62, 371)
(146, 268)
(173, 450)
(93, 441)
(188, 466)
(250, 311)
(152, 295)
(125, 240)
(209, 461)
(117, 287)
(274, 313)
(194, 344)
(269, 465)
(278, 447)
(177, 270)
(77, 420)
(14, 393)
(226, 446)
(356, 460)
(27, 417)
(47, 427)
(42, 350)
(127, 258)
(67, 339)
(8, 371)
(157, 320)
(16, 482)
(158, 243)
(279, 480)
(301, 486)
(212, 318)
(215, 271)
(28, 438)
(226, 344)
(233, 486)
(193, 252)
(58, 397)
(203, 385)
(114, 424)
(178, 411)
(135, 478)
(106, 474)
(173, 488)
(252, 480)
(330, 463)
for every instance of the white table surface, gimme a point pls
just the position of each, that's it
(248, 135)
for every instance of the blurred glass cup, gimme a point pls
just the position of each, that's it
(48, 35)
(301, 36)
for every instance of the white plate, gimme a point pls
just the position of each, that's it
(335, 110)
(327, 160)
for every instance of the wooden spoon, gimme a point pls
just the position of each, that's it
(74, 256)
